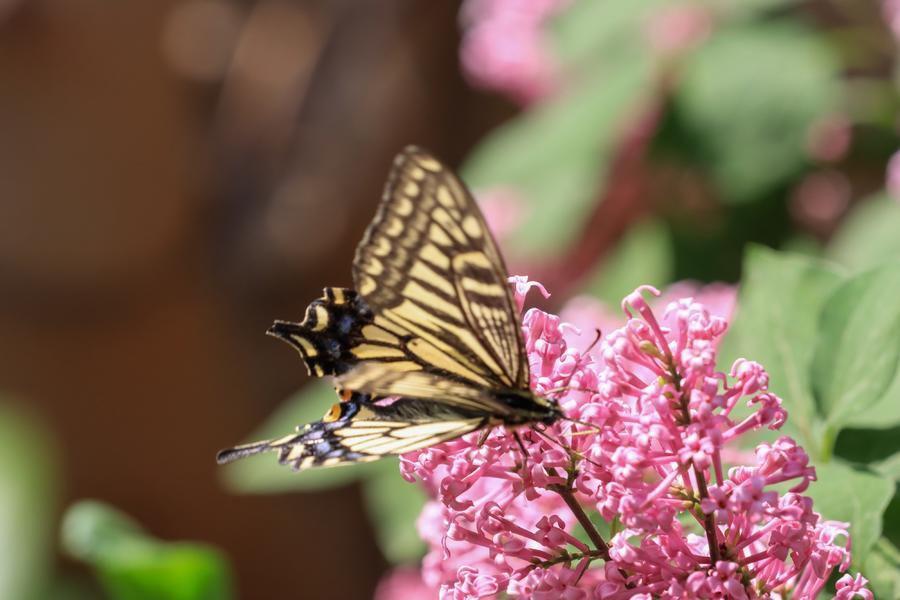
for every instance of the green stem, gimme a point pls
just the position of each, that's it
(585, 521)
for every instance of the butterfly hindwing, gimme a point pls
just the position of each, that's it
(358, 430)
(336, 333)
(430, 270)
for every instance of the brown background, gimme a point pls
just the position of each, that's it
(157, 213)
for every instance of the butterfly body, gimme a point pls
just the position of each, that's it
(427, 347)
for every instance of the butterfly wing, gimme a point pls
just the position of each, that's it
(432, 275)
(359, 431)
(332, 327)
(338, 337)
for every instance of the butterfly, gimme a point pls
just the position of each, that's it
(428, 347)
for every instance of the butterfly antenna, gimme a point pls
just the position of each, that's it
(592, 426)
(568, 450)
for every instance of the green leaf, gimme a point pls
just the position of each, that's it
(557, 155)
(588, 35)
(263, 474)
(134, 566)
(891, 518)
(749, 96)
(643, 256)
(882, 568)
(857, 497)
(776, 325)
(27, 505)
(749, 8)
(394, 506)
(889, 467)
(858, 348)
(879, 449)
(868, 237)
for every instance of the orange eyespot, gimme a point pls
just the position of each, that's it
(333, 414)
(344, 395)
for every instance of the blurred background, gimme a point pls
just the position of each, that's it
(176, 175)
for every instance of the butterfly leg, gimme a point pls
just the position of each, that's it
(519, 441)
(483, 438)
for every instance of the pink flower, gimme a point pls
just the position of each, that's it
(849, 587)
(828, 139)
(504, 47)
(649, 416)
(677, 28)
(893, 176)
(890, 10)
(504, 209)
(402, 584)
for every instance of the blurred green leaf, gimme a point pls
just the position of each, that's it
(749, 96)
(394, 506)
(776, 324)
(134, 566)
(588, 34)
(858, 349)
(869, 235)
(27, 505)
(882, 568)
(877, 448)
(643, 256)
(263, 474)
(857, 497)
(748, 8)
(889, 467)
(557, 154)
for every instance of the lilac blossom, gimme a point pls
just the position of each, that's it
(644, 451)
(505, 47)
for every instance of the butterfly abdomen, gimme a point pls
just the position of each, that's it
(523, 406)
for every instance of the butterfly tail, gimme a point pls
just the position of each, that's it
(232, 454)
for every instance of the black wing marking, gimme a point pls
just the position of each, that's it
(358, 431)
(333, 325)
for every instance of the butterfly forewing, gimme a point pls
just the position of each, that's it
(431, 272)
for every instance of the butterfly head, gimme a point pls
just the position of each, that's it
(551, 405)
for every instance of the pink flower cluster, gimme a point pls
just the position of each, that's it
(632, 498)
(890, 10)
(504, 46)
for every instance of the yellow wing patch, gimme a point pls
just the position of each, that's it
(428, 267)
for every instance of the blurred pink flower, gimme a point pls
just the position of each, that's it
(893, 176)
(890, 10)
(504, 209)
(820, 199)
(829, 138)
(678, 27)
(504, 47)
(403, 583)
(653, 419)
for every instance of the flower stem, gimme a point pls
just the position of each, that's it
(585, 521)
(709, 520)
(566, 557)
